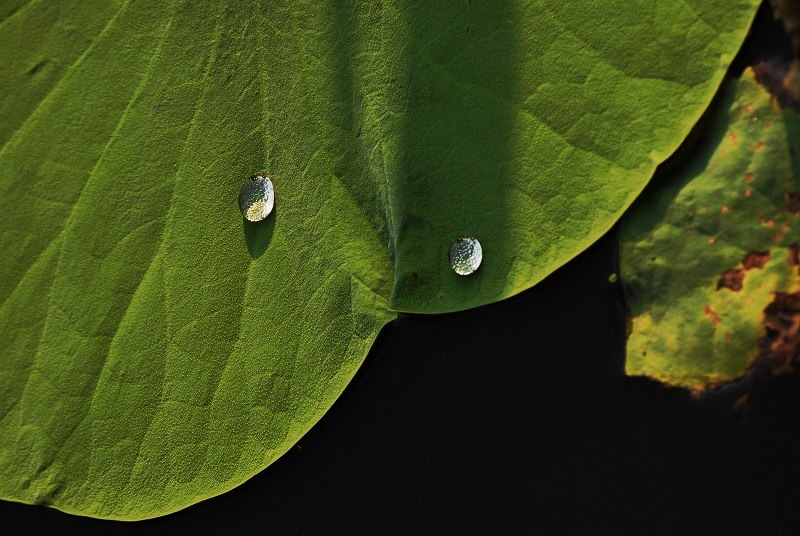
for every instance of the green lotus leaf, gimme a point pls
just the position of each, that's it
(156, 350)
(712, 241)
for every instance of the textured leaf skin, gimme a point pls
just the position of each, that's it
(157, 351)
(538, 123)
(728, 200)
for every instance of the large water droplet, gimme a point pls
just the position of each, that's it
(257, 198)
(466, 255)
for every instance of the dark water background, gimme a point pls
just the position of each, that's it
(516, 418)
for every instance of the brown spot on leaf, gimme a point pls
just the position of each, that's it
(778, 236)
(724, 209)
(780, 78)
(711, 241)
(712, 315)
(794, 255)
(732, 279)
(755, 259)
(732, 138)
(768, 222)
(747, 192)
(780, 345)
(749, 177)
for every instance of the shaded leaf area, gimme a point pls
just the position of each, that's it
(710, 253)
(788, 11)
(156, 349)
(780, 73)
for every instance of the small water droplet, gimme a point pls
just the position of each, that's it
(466, 255)
(257, 197)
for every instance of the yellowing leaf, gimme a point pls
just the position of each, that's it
(711, 242)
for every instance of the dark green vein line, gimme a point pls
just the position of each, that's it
(68, 219)
(170, 217)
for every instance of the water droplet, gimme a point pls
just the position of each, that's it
(466, 255)
(256, 198)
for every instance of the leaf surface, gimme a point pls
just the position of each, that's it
(157, 351)
(711, 242)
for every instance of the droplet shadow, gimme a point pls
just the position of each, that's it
(258, 235)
